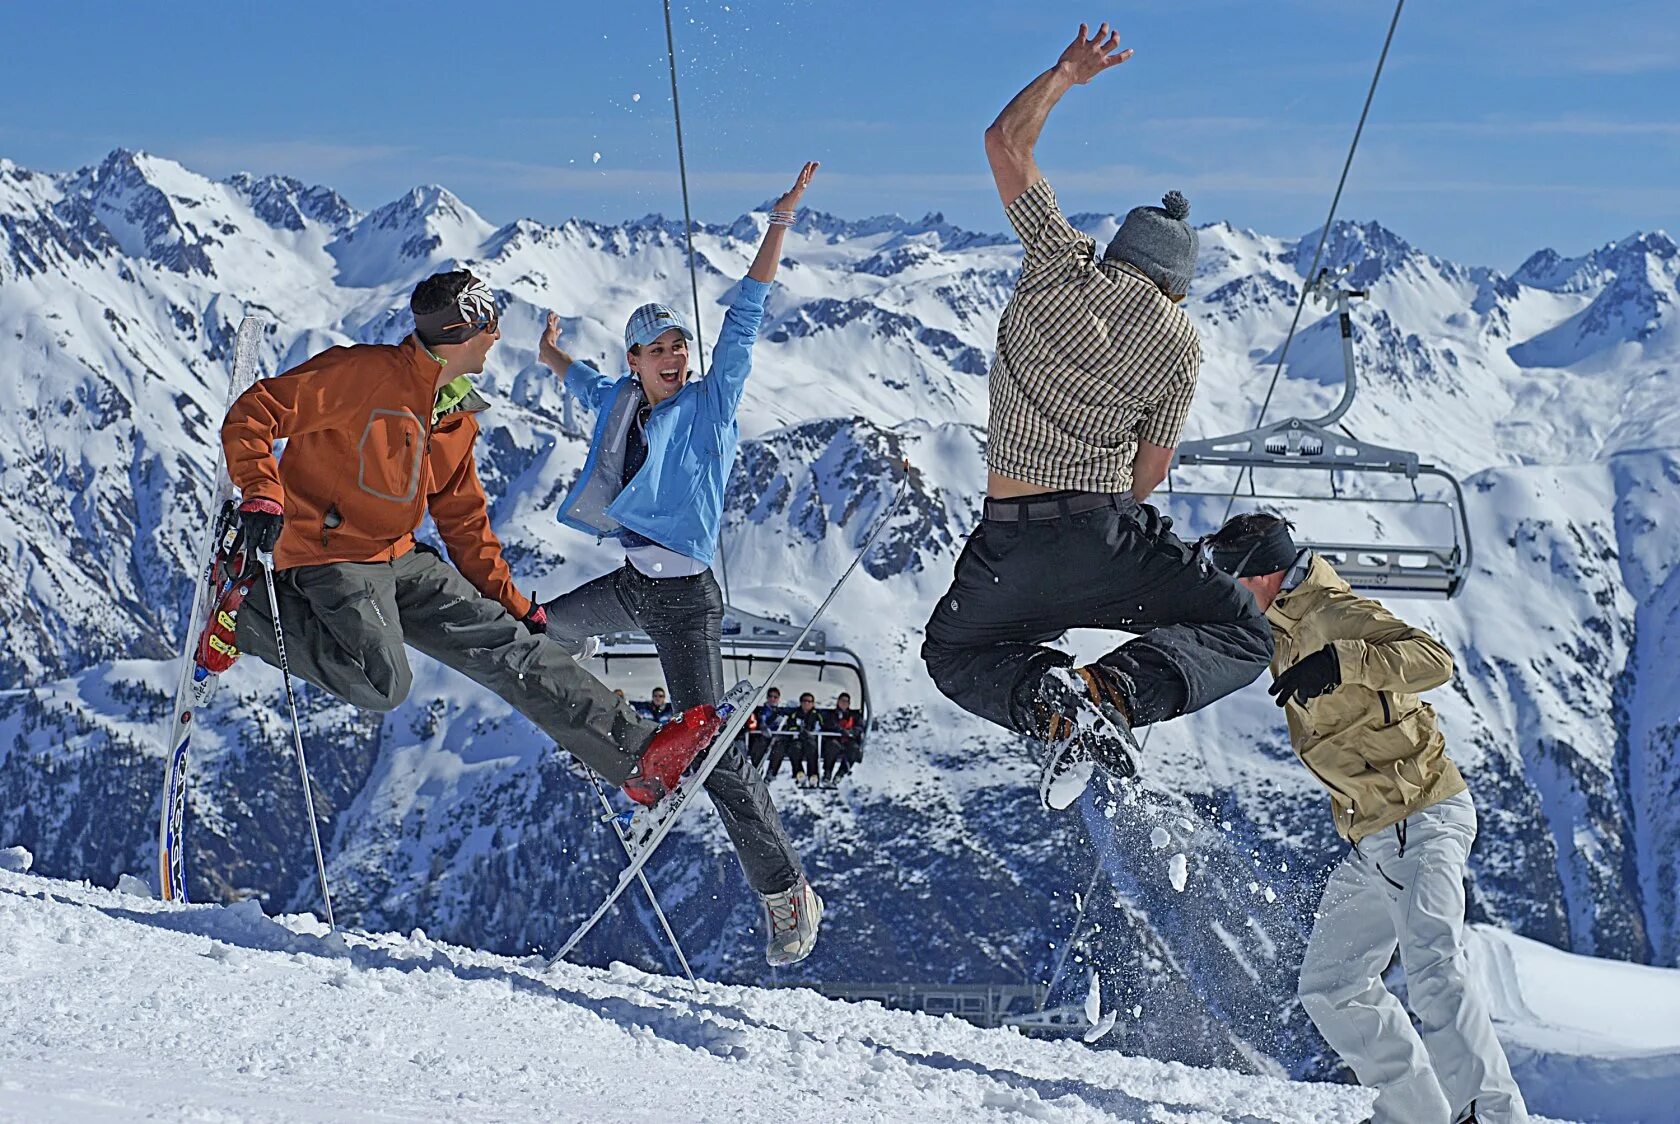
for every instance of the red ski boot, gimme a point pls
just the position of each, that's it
(233, 572)
(671, 751)
(231, 579)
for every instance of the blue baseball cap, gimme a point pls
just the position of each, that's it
(651, 321)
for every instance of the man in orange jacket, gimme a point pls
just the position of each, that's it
(377, 437)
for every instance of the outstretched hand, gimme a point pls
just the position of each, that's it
(790, 201)
(548, 348)
(1084, 58)
(770, 250)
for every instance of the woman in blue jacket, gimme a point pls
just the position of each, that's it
(659, 461)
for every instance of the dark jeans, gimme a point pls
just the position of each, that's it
(684, 619)
(784, 747)
(838, 756)
(1020, 583)
(758, 745)
(346, 624)
(807, 755)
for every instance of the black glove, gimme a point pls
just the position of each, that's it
(259, 525)
(1306, 679)
(536, 618)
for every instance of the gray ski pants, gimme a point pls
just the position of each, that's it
(1404, 887)
(684, 619)
(346, 624)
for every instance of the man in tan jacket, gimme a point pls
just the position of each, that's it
(1348, 674)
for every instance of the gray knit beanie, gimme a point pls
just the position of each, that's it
(1158, 241)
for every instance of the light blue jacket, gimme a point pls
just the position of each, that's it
(676, 498)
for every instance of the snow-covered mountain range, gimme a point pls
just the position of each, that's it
(1550, 391)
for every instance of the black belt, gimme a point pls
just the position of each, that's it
(1054, 505)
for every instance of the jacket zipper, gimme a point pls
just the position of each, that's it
(1388, 716)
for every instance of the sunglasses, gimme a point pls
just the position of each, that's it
(491, 325)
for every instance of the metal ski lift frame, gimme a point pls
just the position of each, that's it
(747, 640)
(1297, 444)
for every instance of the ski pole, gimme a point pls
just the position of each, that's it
(266, 560)
(1073, 934)
(647, 887)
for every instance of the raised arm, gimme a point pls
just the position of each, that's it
(585, 383)
(1010, 139)
(770, 250)
(726, 378)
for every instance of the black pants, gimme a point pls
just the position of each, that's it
(1022, 582)
(837, 757)
(758, 745)
(807, 758)
(684, 619)
(782, 748)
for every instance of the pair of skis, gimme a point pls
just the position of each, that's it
(196, 685)
(643, 830)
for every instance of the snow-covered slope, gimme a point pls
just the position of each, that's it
(124, 1008)
(1551, 391)
(1588, 1038)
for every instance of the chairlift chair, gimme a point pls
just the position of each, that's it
(1294, 445)
(752, 646)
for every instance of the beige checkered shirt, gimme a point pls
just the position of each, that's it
(1091, 357)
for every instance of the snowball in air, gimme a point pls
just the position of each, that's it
(596, 158)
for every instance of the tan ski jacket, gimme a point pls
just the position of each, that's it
(1372, 742)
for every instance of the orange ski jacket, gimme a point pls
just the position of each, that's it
(365, 461)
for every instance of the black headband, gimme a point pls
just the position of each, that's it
(1271, 552)
(472, 311)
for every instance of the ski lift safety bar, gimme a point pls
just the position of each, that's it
(1296, 445)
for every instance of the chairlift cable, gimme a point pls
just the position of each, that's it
(1323, 238)
(688, 240)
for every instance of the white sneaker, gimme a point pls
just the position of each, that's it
(791, 919)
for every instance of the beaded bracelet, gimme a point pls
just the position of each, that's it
(783, 218)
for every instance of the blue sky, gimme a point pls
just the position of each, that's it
(1500, 127)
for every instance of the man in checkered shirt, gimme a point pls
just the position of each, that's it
(1095, 372)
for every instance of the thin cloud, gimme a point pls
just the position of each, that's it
(306, 159)
(1645, 59)
(1557, 126)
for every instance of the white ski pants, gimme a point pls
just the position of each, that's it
(1404, 886)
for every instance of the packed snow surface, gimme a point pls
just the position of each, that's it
(126, 1006)
(123, 1006)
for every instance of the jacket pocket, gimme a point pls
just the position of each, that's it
(1398, 739)
(389, 455)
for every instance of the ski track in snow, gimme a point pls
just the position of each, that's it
(127, 1008)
